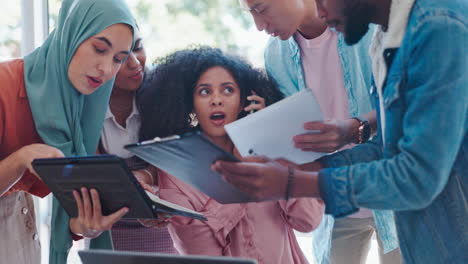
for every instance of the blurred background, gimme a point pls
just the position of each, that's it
(166, 26)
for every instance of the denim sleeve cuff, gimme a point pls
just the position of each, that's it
(335, 160)
(335, 189)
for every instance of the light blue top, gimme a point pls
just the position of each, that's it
(422, 170)
(283, 63)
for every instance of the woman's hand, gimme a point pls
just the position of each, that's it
(27, 154)
(12, 167)
(90, 222)
(256, 103)
(146, 180)
(163, 221)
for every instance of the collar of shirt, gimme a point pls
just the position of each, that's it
(133, 114)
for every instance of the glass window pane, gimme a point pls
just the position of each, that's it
(54, 8)
(169, 25)
(10, 30)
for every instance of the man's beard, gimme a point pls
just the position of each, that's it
(357, 15)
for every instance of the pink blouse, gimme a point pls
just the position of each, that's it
(262, 231)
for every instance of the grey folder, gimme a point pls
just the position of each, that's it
(124, 257)
(189, 158)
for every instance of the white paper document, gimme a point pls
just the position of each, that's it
(270, 131)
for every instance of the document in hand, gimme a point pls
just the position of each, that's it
(115, 183)
(189, 158)
(270, 132)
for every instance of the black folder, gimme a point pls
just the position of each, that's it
(189, 158)
(114, 181)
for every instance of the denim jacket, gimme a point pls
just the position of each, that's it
(421, 172)
(283, 63)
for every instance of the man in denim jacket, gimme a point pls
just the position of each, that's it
(305, 53)
(418, 165)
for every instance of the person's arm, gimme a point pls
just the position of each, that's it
(193, 236)
(332, 135)
(266, 179)
(302, 214)
(14, 166)
(11, 170)
(367, 152)
(372, 118)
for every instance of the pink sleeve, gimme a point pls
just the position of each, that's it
(302, 214)
(192, 236)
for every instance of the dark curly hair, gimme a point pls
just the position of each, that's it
(166, 99)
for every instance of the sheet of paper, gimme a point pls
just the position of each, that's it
(270, 132)
(158, 200)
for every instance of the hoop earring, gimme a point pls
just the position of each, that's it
(193, 120)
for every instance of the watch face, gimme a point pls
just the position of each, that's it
(366, 131)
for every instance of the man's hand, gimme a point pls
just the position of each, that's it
(327, 136)
(260, 177)
(90, 222)
(266, 179)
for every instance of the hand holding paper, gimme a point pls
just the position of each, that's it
(270, 132)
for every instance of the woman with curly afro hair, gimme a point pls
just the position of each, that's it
(204, 89)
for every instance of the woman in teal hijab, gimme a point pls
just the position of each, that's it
(66, 84)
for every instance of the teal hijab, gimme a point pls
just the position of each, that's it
(63, 117)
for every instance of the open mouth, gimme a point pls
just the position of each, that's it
(94, 82)
(217, 118)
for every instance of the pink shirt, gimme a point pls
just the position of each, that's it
(323, 74)
(262, 231)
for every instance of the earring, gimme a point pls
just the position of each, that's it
(193, 120)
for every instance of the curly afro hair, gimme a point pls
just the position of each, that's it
(166, 98)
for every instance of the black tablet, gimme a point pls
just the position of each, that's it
(125, 257)
(111, 177)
